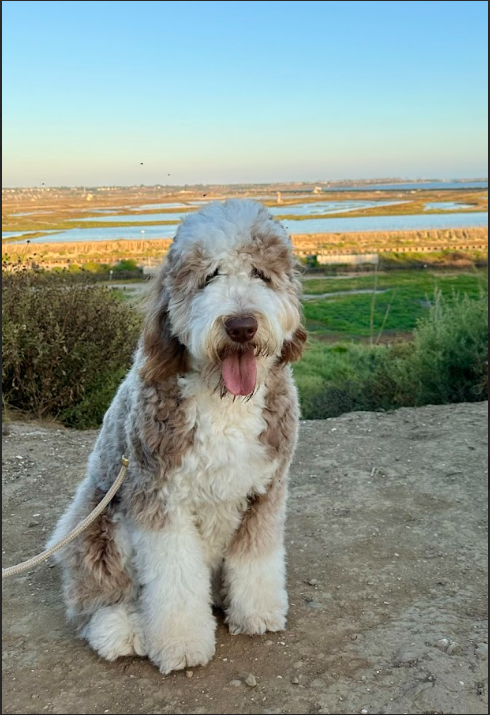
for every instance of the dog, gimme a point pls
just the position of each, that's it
(208, 418)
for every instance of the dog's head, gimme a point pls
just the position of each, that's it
(226, 300)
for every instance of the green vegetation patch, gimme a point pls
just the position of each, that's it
(446, 362)
(407, 297)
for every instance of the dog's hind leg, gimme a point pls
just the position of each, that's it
(98, 584)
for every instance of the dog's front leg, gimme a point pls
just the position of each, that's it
(255, 567)
(176, 596)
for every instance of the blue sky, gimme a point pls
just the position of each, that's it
(242, 91)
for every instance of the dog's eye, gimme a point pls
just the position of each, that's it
(258, 274)
(210, 278)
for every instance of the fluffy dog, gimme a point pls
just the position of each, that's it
(208, 417)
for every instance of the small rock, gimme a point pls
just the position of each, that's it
(295, 681)
(452, 648)
(269, 643)
(481, 650)
(443, 644)
(32, 523)
(313, 582)
(405, 659)
(299, 664)
(364, 711)
(189, 673)
(251, 680)
(235, 683)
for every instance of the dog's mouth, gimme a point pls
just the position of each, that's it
(239, 371)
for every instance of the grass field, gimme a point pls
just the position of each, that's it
(406, 298)
(349, 333)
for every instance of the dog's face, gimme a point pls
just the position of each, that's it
(227, 298)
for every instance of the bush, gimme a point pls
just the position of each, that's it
(66, 345)
(357, 378)
(127, 264)
(449, 357)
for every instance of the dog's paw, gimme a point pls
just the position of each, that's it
(264, 610)
(256, 623)
(185, 653)
(115, 632)
(182, 643)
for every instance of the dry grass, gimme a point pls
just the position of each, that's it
(151, 251)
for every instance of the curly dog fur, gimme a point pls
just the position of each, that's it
(208, 418)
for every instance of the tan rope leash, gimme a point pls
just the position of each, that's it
(36, 560)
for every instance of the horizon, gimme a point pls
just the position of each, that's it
(242, 93)
(334, 182)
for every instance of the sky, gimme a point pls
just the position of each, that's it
(103, 93)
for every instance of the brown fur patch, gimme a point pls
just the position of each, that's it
(102, 558)
(188, 273)
(271, 255)
(292, 350)
(160, 437)
(165, 356)
(94, 574)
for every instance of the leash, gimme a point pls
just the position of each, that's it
(36, 560)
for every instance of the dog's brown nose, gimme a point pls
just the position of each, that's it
(241, 329)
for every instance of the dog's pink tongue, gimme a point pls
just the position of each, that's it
(239, 372)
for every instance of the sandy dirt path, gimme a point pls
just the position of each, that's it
(387, 580)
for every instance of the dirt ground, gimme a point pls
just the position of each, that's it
(387, 579)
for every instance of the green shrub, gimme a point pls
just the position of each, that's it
(127, 264)
(90, 410)
(333, 379)
(94, 267)
(66, 345)
(449, 357)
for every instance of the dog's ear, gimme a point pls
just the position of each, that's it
(165, 356)
(293, 348)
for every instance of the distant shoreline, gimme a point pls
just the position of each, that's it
(349, 183)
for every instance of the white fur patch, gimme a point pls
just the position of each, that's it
(115, 631)
(175, 603)
(256, 593)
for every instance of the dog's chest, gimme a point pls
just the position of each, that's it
(227, 460)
